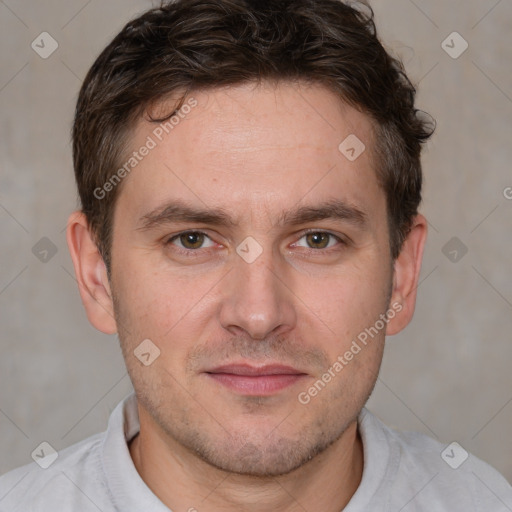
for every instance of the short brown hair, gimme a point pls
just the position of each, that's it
(188, 45)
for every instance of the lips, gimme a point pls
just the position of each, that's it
(245, 369)
(256, 380)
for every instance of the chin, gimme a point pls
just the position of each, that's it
(266, 457)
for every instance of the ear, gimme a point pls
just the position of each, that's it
(91, 274)
(406, 276)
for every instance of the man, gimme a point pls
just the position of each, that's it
(250, 179)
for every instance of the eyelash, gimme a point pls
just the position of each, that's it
(190, 252)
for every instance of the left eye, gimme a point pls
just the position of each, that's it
(319, 240)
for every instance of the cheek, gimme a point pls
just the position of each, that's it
(141, 301)
(349, 300)
(158, 304)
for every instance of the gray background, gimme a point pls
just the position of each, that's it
(448, 375)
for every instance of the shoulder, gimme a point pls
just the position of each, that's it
(424, 471)
(76, 471)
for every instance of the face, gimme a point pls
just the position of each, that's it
(253, 253)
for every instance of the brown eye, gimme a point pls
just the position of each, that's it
(191, 240)
(318, 240)
(321, 241)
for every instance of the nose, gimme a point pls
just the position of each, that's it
(257, 298)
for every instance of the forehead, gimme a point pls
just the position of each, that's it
(254, 147)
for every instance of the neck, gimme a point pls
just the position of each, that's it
(182, 481)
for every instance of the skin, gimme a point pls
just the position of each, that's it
(255, 151)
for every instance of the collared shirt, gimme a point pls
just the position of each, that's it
(407, 472)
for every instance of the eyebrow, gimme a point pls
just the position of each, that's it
(179, 211)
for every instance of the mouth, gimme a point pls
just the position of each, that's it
(256, 380)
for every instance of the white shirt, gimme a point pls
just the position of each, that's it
(402, 472)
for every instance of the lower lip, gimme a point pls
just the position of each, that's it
(260, 385)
